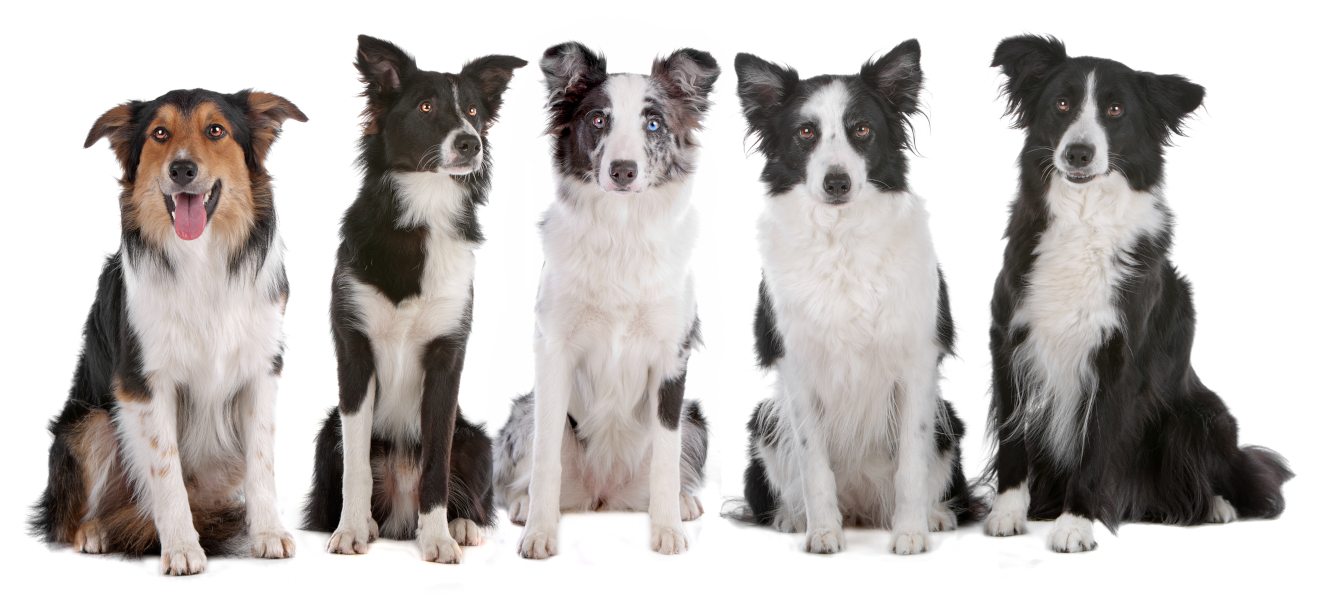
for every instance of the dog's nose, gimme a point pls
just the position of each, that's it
(466, 145)
(1078, 155)
(623, 171)
(837, 184)
(182, 172)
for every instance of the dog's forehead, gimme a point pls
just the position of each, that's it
(826, 101)
(630, 94)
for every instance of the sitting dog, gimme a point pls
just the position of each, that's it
(616, 309)
(396, 456)
(853, 313)
(1098, 413)
(170, 419)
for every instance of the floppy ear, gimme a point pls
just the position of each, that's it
(570, 70)
(897, 76)
(491, 74)
(1025, 61)
(118, 124)
(761, 87)
(265, 114)
(1175, 97)
(381, 66)
(688, 77)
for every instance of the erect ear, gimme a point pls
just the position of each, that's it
(897, 76)
(491, 75)
(1174, 96)
(762, 87)
(687, 76)
(570, 70)
(265, 115)
(1025, 61)
(118, 124)
(381, 66)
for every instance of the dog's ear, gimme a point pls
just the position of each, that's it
(570, 70)
(1175, 97)
(382, 66)
(762, 87)
(687, 76)
(1025, 61)
(491, 74)
(265, 114)
(118, 124)
(897, 76)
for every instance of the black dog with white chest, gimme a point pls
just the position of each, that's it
(396, 455)
(1098, 413)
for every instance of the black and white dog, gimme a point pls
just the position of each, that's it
(1098, 413)
(616, 309)
(396, 452)
(853, 313)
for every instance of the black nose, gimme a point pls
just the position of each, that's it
(624, 172)
(183, 171)
(466, 145)
(1078, 155)
(837, 184)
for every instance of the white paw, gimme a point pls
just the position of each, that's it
(783, 522)
(1003, 523)
(538, 541)
(186, 559)
(272, 544)
(668, 539)
(353, 539)
(439, 548)
(465, 532)
(824, 541)
(909, 542)
(691, 508)
(1222, 511)
(942, 518)
(88, 538)
(519, 509)
(1072, 534)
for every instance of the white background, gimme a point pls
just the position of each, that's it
(1245, 184)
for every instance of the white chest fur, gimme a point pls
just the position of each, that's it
(399, 332)
(1081, 260)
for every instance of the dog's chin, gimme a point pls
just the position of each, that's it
(1079, 177)
(622, 191)
(460, 169)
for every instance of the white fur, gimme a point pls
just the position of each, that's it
(451, 159)
(1222, 511)
(833, 152)
(1072, 533)
(625, 139)
(1086, 129)
(1009, 513)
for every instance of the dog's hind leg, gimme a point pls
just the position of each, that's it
(267, 536)
(470, 499)
(695, 448)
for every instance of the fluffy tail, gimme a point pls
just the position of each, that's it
(760, 503)
(1256, 483)
(322, 507)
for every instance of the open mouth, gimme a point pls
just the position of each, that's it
(1077, 177)
(189, 212)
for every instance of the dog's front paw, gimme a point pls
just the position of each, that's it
(538, 541)
(942, 518)
(668, 539)
(1004, 523)
(184, 559)
(1072, 534)
(353, 538)
(272, 544)
(691, 508)
(1222, 511)
(439, 548)
(824, 541)
(519, 509)
(88, 538)
(465, 532)
(909, 542)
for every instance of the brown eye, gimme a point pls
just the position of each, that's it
(598, 122)
(806, 133)
(473, 111)
(1062, 105)
(215, 131)
(160, 134)
(863, 131)
(426, 106)
(1115, 110)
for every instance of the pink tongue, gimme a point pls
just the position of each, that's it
(190, 216)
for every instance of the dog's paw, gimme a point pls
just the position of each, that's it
(1004, 523)
(909, 542)
(824, 541)
(942, 518)
(185, 559)
(88, 538)
(691, 508)
(1222, 511)
(1072, 533)
(668, 539)
(538, 542)
(272, 544)
(787, 524)
(465, 532)
(519, 509)
(439, 548)
(353, 539)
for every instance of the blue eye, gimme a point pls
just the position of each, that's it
(653, 125)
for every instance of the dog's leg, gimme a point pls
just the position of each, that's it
(268, 536)
(148, 438)
(916, 453)
(810, 462)
(1009, 512)
(443, 360)
(358, 390)
(553, 371)
(666, 535)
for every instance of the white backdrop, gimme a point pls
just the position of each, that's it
(1245, 185)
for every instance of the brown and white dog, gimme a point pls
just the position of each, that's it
(170, 419)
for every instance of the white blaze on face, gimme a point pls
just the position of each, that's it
(452, 161)
(626, 135)
(1087, 130)
(833, 151)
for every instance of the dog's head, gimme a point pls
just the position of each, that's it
(1087, 117)
(421, 121)
(832, 135)
(626, 132)
(192, 158)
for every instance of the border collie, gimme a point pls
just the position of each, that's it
(616, 309)
(165, 444)
(853, 313)
(396, 456)
(1097, 413)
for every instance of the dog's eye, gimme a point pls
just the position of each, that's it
(653, 125)
(863, 131)
(160, 134)
(426, 106)
(1115, 110)
(215, 131)
(806, 133)
(598, 121)
(1062, 105)
(473, 111)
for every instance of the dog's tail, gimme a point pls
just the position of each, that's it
(322, 507)
(759, 503)
(1256, 478)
